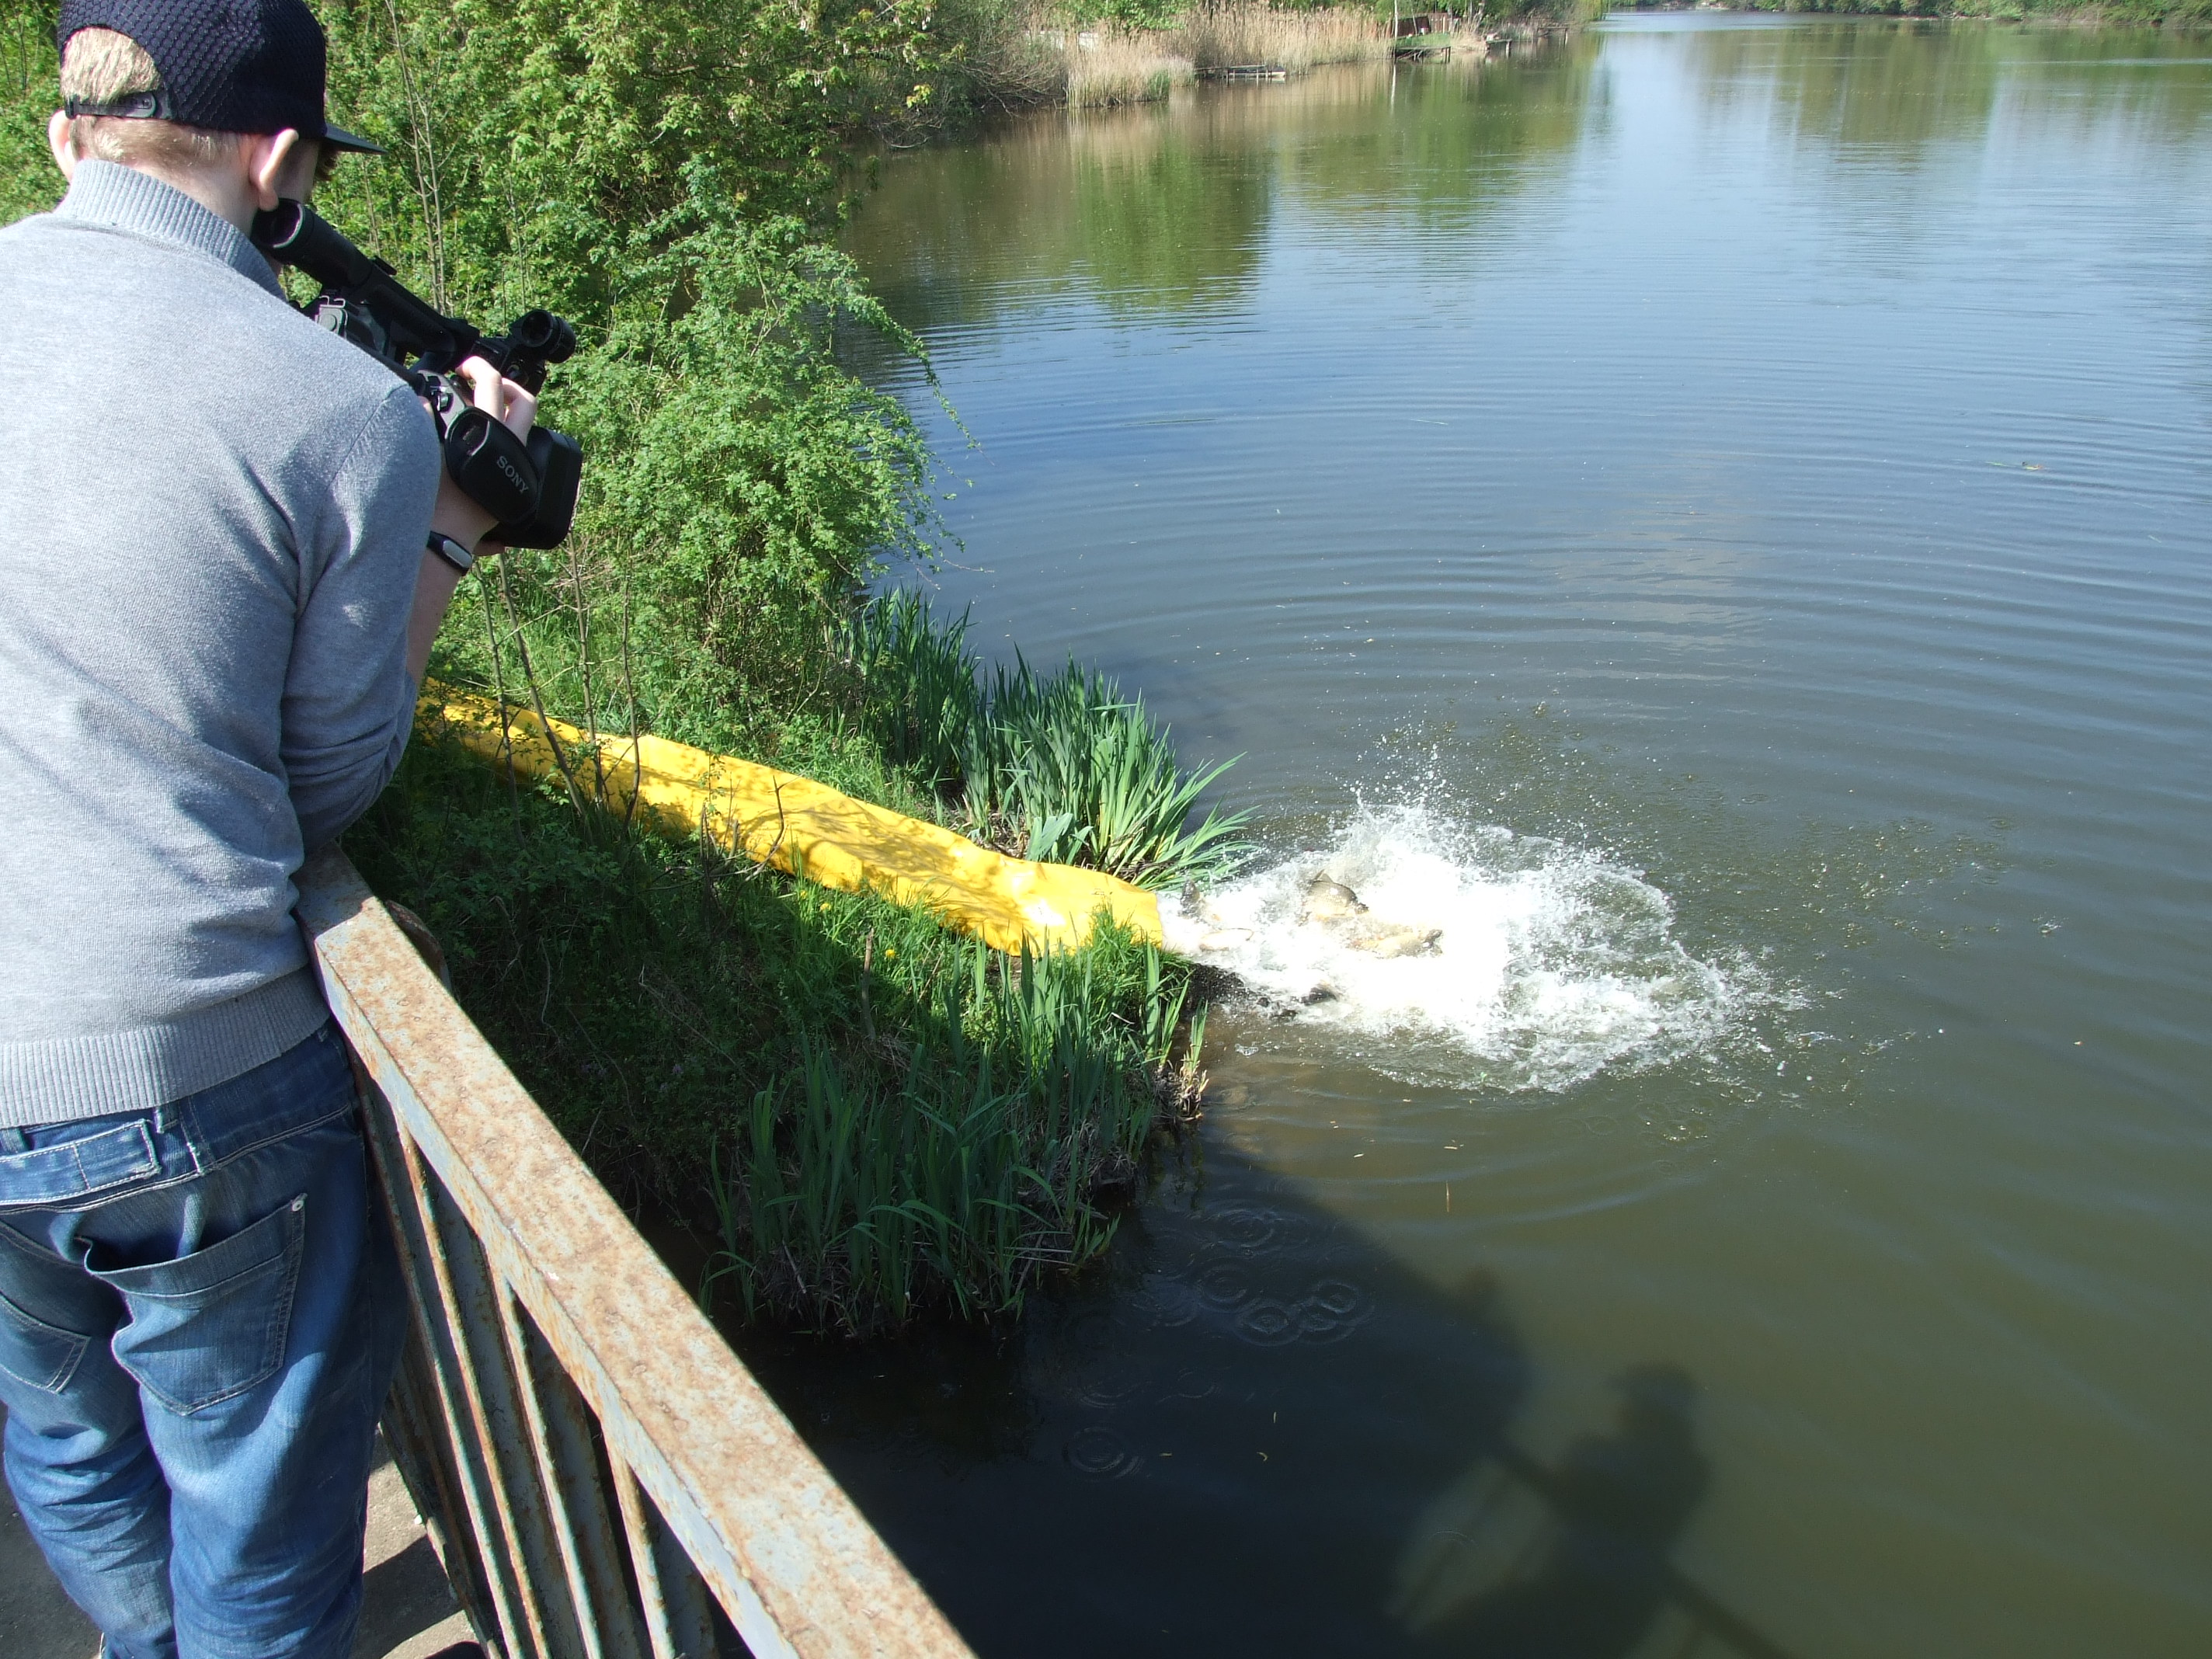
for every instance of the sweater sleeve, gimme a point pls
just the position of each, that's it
(349, 702)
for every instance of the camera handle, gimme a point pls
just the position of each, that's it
(499, 473)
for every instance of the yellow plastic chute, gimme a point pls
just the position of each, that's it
(804, 826)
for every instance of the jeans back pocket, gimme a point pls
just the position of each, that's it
(208, 1326)
(31, 1350)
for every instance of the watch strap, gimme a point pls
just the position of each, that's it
(453, 552)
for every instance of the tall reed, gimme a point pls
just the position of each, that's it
(1110, 64)
(1061, 767)
(1138, 51)
(1239, 32)
(1017, 1094)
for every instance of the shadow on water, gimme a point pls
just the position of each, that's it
(1595, 1578)
(1254, 1432)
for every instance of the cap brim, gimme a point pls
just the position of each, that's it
(339, 138)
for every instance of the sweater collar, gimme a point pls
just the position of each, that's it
(108, 193)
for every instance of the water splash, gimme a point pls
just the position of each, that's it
(1554, 963)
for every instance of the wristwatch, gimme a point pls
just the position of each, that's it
(451, 551)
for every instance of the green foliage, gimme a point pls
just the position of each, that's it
(528, 129)
(665, 176)
(29, 180)
(1130, 14)
(885, 1115)
(1061, 767)
(1554, 11)
(746, 480)
(995, 61)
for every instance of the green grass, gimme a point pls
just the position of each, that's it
(889, 705)
(1013, 1098)
(871, 1115)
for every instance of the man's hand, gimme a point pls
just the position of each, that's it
(457, 515)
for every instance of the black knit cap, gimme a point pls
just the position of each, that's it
(228, 65)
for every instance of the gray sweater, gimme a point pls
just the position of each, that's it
(211, 516)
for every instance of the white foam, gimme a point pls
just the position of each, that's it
(1554, 963)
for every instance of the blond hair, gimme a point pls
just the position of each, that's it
(99, 66)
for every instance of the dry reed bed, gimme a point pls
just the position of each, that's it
(1109, 64)
(1225, 36)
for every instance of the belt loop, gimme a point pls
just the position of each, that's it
(184, 1123)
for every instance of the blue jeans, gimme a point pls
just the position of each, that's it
(200, 1312)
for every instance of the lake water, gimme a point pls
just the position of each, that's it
(1713, 516)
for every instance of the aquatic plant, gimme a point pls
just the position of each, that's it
(1063, 766)
(1021, 1093)
(1012, 54)
(917, 681)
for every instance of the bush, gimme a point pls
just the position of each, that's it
(668, 178)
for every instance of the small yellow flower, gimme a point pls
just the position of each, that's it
(890, 956)
(825, 904)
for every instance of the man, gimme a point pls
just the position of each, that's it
(226, 543)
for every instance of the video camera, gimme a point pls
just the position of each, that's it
(529, 487)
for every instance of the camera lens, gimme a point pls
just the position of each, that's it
(544, 335)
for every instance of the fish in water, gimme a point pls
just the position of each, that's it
(1391, 938)
(1336, 906)
(1330, 901)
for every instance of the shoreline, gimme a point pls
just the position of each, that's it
(1107, 66)
(1103, 65)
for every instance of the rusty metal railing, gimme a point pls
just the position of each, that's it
(599, 1472)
